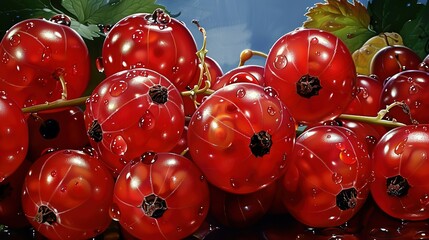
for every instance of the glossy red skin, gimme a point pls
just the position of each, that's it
(139, 41)
(246, 73)
(77, 187)
(403, 151)
(215, 71)
(11, 213)
(325, 161)
(13, 136)
(393, 59)
(370, 134)
(241, 210)
(367, 99)
(31, 53)
(424, 65)
(131, 122)
(319, 54)
(171, 177)
(220, 132)
(412, 87)
(71, 135)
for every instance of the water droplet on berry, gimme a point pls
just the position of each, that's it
(399, 149)
(29, 25)
(146, 121)
(371, 140)
(317, 53)
(424, 200)
(15, 40)
(119, 146)
(114, 212)
(74, 69)
(371, 177)
(175, 69)
(314, 192)
(117, 88)
(201, 211)
(99, 64)
(314, 40)
(301, 152)
(364, 92)
(2, 179)
(233, 183)
(5, 58)
(413, 89)
(271, 111)
(241, 93)
(46, 55)
(105, 101)
(54, 173)
(337, 178)
(138, 36)
(421, 235)
(347, 156)
(384, 233)
(417, 104)
(63, 189)
(280, 61)
(270, 91)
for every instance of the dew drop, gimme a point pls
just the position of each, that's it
(364, 92)
(233, 183)
(175, 69)
(2, 179)
(119, 146)
(29, 25)
(148, 158)
(271, 111)
(347, 157)
(417, 104)
(314, 40)
(114, 212)
(328, 136)
(198, 116)
(74, 69)
(99, 64)
(117, 88)
(424, 200)
(201, 211)
(314, 192)
(241, 93)
(317, 53)
(146, 121)
(105, 101)
(5, 58)
(337, 178)
(138, 36)
(301, 152)
(413, 89)
(54, 173)
(15, 40)
(399, 149)
(270, 91)
(46, 55)
(63, 189)
(421, 235)
(179, 229)
(280, 61)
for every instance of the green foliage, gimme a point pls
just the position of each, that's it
(348, 21)
(86, 14)
(415, 33)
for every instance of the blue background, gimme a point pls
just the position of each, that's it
(234, 25)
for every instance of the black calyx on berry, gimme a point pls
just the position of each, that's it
(308, 86)
(158, 94)
(260, 143)
(397, 186)
(45, 215)
(95, 132)
(49, 129)
(154, 206)
(347, 199)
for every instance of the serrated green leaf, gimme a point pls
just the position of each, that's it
(415, 33)
(89, 31)
(107, 12)
(391, 15)
(348, 21)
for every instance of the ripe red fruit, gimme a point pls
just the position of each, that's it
(155, 41)
(313, 73)
(34, 53)
(393, 59)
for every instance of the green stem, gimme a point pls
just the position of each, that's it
(60, 103)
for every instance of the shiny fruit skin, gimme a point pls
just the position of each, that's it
(34, 53)
(241, 137)
(155, 41)
(313, 72)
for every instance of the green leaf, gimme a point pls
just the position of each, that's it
(348, 21)
(89, 31)
(107, 12)
(415, 33)
(391, 15)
